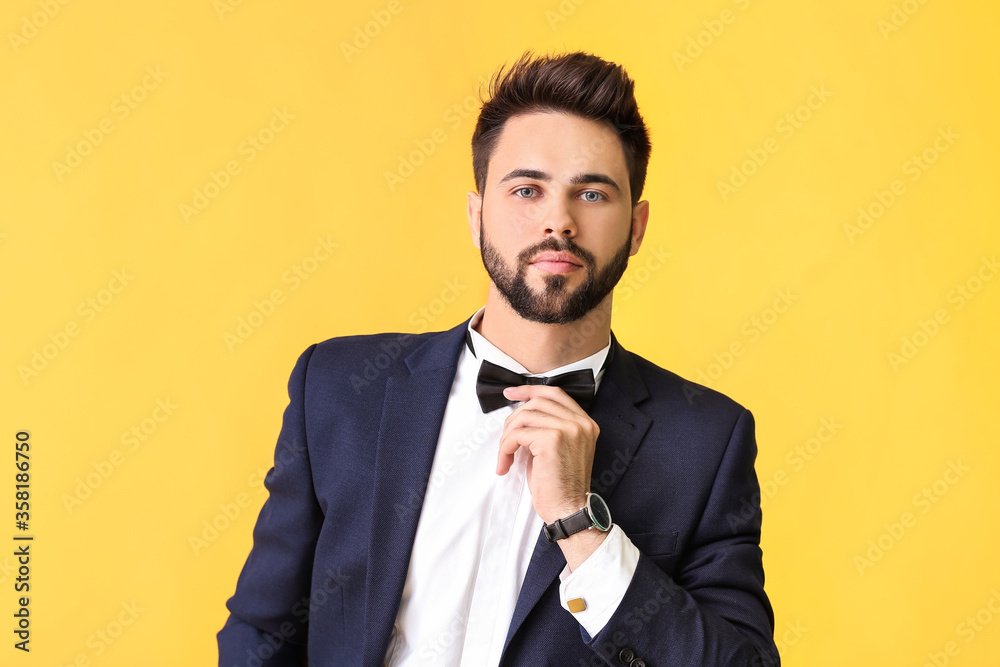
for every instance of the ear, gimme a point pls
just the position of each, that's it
(640, 216)
(475, 210)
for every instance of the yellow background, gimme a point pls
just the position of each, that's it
(895, 75)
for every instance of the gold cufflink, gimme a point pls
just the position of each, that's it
(576, 605)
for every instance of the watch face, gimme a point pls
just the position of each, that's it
(599, 512)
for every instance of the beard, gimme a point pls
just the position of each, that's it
(556, 303)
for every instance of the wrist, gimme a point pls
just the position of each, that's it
(577, 548)
(567, 509)
(594, 514)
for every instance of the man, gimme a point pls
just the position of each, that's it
(478, 503)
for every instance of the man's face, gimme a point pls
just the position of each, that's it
(555, 225)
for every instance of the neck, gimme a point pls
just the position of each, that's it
(542, 347)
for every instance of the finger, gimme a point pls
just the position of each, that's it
(526, 392)
(553, 407)
(511, 442)
(544, 413)
(526, 417)
(504, 462)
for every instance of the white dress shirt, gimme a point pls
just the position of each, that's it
(477, 531)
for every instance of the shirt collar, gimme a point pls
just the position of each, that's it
(482, 349)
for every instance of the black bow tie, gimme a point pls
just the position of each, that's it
(493, 379)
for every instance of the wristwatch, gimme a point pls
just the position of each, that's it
(594, 515)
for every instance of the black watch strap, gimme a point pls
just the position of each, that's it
(562, 528)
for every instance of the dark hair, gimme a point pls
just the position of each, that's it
(577, 83)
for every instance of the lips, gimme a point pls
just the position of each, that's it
(556, 262)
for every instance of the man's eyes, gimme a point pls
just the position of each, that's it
(591, 196)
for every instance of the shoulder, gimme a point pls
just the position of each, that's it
(369, 359)
(670, 393)
(358, 356)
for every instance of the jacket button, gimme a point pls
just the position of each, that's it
(638, 662)
(626, 656)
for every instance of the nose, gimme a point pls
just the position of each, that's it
(557, 219)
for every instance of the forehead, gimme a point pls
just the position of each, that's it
(560, 144)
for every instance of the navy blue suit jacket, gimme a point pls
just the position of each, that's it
(674, 461)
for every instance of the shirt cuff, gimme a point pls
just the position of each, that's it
(601, 581)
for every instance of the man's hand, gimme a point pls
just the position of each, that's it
(561, 438)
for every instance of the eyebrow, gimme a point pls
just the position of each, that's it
(578, 179)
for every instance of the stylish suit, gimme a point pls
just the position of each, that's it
(674, 461)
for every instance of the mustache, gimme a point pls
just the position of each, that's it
(557, 244)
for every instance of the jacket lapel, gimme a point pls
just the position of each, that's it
(622, 429)
(407, 438)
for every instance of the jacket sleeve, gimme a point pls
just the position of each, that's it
(714, 612)
(268, 620)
